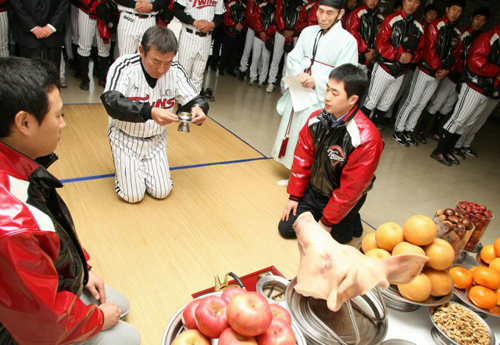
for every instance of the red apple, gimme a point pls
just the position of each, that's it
(281, 313)
(191, 337)
(211, 316)
(230, 337)
(229, 293)
(249, 314)
(188, 318)
(279, 333)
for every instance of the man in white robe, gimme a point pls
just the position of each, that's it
(319, 49)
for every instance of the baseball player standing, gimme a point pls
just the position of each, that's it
(4, 29)
(140, 95)
(247, 50)
(235, 24)
(397, 46)
(442, 47)
(479, 95)
(199, 18)
(136, 16)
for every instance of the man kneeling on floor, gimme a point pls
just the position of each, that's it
(48, 293)
(140, 95)
(335, 160)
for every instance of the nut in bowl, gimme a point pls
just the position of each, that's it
(454, 228)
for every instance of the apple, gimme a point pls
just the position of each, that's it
(230, 337)
(191, 337)
(211, 316)
(281, 313)
(232, 291)
(188, 318)
(249, 314)
(279, 333)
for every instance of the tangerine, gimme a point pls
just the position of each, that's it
(487, 277)
(495, 265)
(497, 247)
(483, 297)
(497, 292)
(495, 310)
(473, 269)
(462, 277)
(488, 253)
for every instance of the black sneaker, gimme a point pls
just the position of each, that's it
(410, 138)
(451, 158)
(421, 138)
(84, 85)
(469, 152)
(241, 75)
(400, 139)
(440, 158)
(458, 152)
(209, 95)
(434, 136)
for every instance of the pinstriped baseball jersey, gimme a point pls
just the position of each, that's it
(122, 8)
(126, 76)
(202, 9)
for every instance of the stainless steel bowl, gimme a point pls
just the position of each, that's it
(441, 338)
(394, 300)
(175, 326)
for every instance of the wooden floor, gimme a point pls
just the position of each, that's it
(222, 216)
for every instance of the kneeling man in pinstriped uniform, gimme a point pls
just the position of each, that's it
(140, 95)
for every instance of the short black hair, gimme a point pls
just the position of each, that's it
(482, 11)
(460, 3)
(354, 78)
(397, 3)
(24, 85)
(160, 37)
(430, 7)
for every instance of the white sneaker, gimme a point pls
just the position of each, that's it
(283, 183)
(261, 84)
(270, 88)
(252, 81)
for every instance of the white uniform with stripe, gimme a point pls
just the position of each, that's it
(194, 49)
(89, 32)
(444, 99)
(383, 89)
(131, 28)
(468, 136)
(139, 149)
(402, 93)
(247, 50)
(4, 34)
(73, 12)
(260, 60)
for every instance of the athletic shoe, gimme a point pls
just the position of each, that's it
(270, 87)
(450, 157)
(458, 152)
(400, 139)
(241, 75)
(434, 136)
(252, 81)
(421, 137)
(209, 95)
(410, 138)
(440, 158)
(261, 84)
(63, 83)
(470, 152)
(84, 85)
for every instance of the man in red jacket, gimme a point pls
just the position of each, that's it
(335, 160)
(49, 294)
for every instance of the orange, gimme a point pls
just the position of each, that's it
(441, 254)
(368, 242)
(486, 277)
(488, 253)
(419, 289)
(377, 253)
(407, 248)
(497, 292)
(483, 297)
(473, 269)
(388, 235)
(441, 282)
(495, 264)
(462, 277)
(420, 230)
(497, 247)
(495, 310)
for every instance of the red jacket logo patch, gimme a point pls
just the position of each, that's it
(336, 154)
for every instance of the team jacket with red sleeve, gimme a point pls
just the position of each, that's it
(442, 46)
(468, 37)
(398, 34)
(43, 267)
(363, 24)
(338, 162)
(306, 16)
(264, 20)
(289, 13)
(483, 64)
(3, 5)
(313, 18)
(235, 14)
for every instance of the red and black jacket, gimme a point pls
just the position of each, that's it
(235, 14)
(483, 64)
(264, 20)
(306, 18)
(338, 162)
(289, 13)
(43, 267)
(3, 5)
(442, 46)
(364, 25)
(400, 33)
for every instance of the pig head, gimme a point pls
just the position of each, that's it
(336, 273)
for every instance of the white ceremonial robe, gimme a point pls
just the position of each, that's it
(335, 48)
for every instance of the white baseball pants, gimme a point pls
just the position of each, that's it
(260, 58)
(444, 99)
(383, 89)
(4, 34)
(130, 30)
(247, 50)
(89, 31)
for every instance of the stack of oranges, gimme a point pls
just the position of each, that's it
(482, 282)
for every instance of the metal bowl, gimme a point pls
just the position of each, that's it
(394, 300)
(441, 338)
(175, 326)
(397, 342)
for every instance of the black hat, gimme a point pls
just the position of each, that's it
(460, 3)
(482, 11)
(333, 3)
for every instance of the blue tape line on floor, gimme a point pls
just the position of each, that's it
(97, 177)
